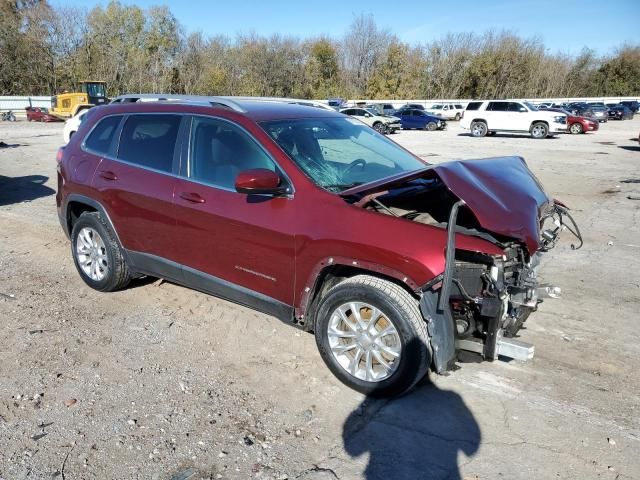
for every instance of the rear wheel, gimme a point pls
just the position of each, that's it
(478, 129)
(97, 254)
(575, 128)
(539, 130)
(431, 126)
(457, 116)
(372, 336)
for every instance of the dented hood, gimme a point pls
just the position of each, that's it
(503, 194)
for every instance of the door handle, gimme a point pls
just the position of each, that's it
(108, 175)
(192, 197)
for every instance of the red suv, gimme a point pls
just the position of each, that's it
(315, 218)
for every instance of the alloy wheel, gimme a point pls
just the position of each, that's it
(364, 342)
(91, 254)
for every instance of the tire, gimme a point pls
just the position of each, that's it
(398, 311)
(576, 128)
(12, 118)
(379, 127)
(539, 130)
(108, 262)
(457, 117)
(431, 126)
(478, 129)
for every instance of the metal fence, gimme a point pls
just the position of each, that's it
(18, 104)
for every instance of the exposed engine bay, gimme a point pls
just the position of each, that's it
(488, 297)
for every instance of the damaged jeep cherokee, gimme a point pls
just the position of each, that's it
(308, 215)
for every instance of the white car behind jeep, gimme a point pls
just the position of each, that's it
(489, 117)
(448, 111)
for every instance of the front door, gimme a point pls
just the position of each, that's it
(233, 245)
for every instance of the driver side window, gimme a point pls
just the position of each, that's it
(219, 151)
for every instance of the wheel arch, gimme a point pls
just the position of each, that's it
(546, 122)
(76, 205)
(332, 271)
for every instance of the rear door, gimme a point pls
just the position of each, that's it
(136, 184)
(232, 244)
(497, 116)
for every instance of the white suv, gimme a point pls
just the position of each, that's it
(448, 111)
(492, 116)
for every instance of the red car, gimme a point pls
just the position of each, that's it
(576, 123)
(40, 114)
(317, 219)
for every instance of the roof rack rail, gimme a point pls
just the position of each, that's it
(225, 102)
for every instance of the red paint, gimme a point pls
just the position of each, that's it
(37, 114)
(257, 180)
(277, 245)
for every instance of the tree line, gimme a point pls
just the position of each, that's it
(46, 50)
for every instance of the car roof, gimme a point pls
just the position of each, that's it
(255, 109)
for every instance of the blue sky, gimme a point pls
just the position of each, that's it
(564, 25)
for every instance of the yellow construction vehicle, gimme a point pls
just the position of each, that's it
(66, 105)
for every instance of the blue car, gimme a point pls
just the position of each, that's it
(414, 118)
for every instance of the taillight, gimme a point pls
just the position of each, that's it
(59, 155)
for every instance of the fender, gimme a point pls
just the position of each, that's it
(303, 302)
(76, 197)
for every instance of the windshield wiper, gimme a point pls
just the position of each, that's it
(338, 187)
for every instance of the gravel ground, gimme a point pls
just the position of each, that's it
(162, 382)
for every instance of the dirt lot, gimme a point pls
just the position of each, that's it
(161, 382)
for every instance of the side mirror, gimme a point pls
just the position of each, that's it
(259, 181)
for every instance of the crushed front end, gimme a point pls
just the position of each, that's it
(490, 297)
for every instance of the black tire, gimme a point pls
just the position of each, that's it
(117, 275)
(457, 117)
(576, 128)
(379, 127)
(403, 312)
(431, 126)
(478, 129)
(539, 130)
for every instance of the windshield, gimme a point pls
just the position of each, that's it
(372, 111)
(95, 89)
(340, 153)
(436, 107)
(531, 106)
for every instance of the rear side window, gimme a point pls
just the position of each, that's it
(99, 140)
(498, 106)
(474, 106)
(149, 141)
(219, 151)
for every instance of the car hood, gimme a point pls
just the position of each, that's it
(503, 194)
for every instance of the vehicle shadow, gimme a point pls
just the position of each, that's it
(631, 148)
(23, 189)
(415, 436)
(514, 135)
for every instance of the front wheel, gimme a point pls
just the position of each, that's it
(371, 335)
(539, 130)
(431, 126)
(379, 127)
(575, 128)
(478, 129)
